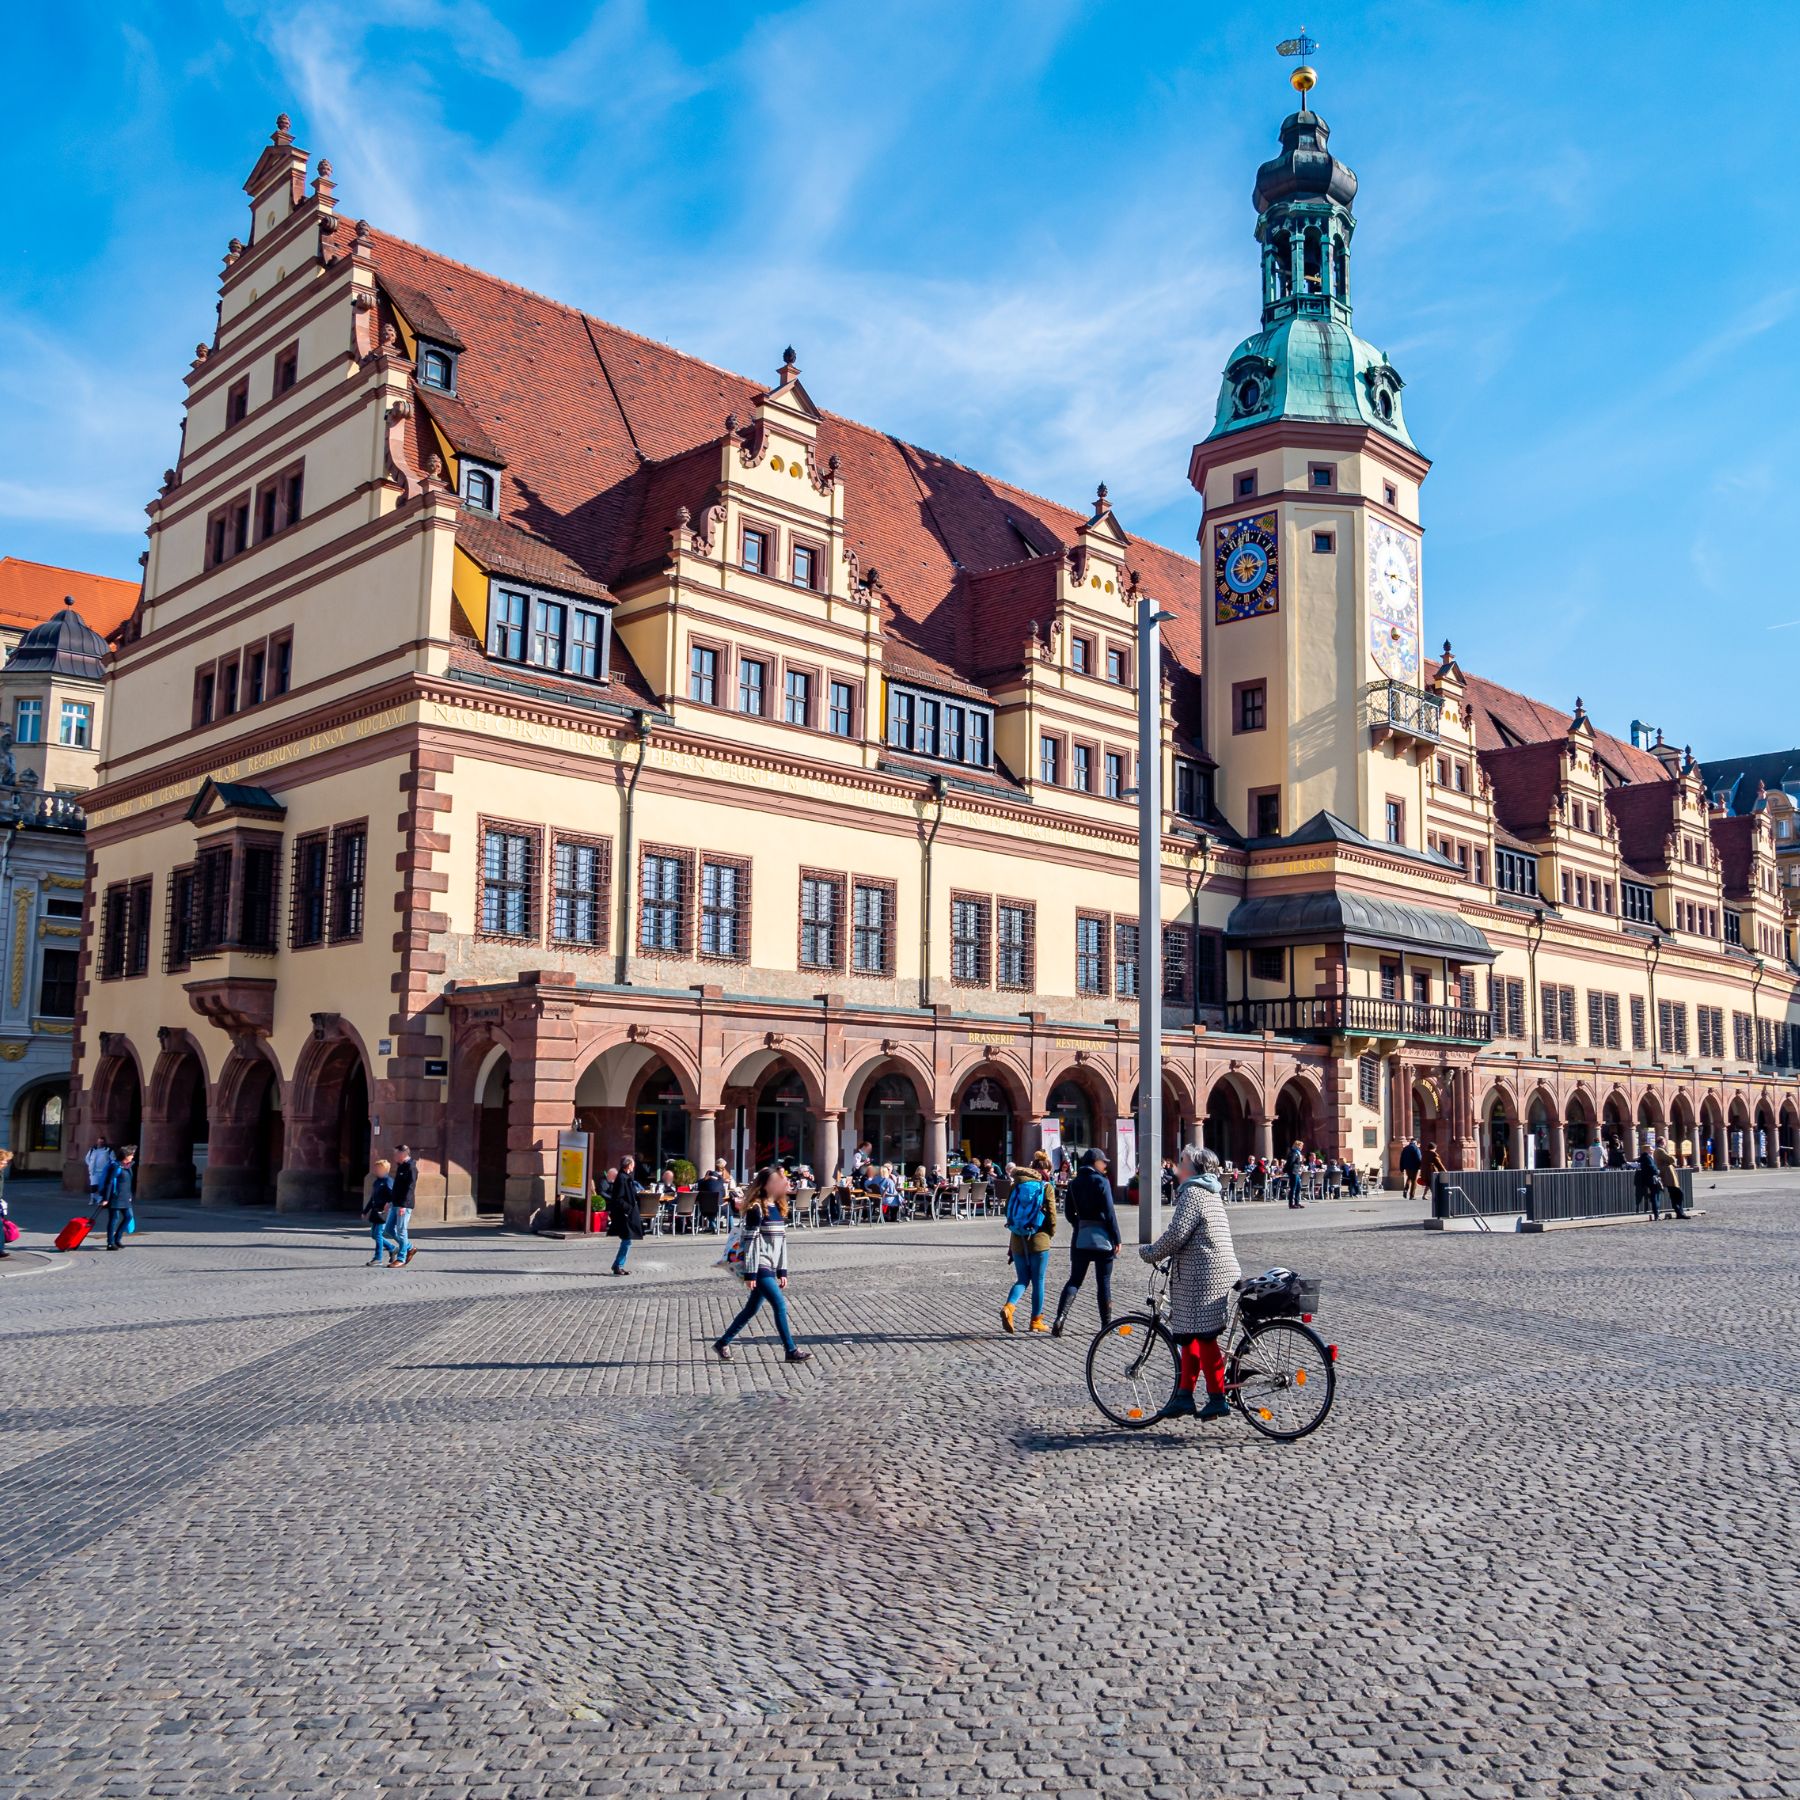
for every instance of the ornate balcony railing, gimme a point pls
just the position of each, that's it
(1393, 706)
(1360, 1015)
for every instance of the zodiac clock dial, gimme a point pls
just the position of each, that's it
(1246, 575)
(1394, 601)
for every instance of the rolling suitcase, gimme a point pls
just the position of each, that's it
(72, 1234)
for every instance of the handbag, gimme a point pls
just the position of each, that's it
(12, 1232)
(1090, 1234)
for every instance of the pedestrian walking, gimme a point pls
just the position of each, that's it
(1095, 1241)
(765, 1261)
(400, 1208)
(375, 1210)
(99, 1160)
(1431, 1167)
(1670, 1171)
(121, 1183)
(1031, 1224)
(623, 1219)
(1412, 1160)
(1296, 1176)
(1202, 1268)
(1648, 1185)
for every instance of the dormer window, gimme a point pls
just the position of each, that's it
(480, 487)
(437, 367)
(933, 725)
(548, 631)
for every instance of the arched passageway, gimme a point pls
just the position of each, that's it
(1500, 1132)
(39, 1117)
(1580, 1140)
(659, 1121)
(244, 1150)
(990, 1117)
(892, 1122)
(1295, 1122)
(782, 1120)
(177, 1130)
(1229, 1130)
(1540, 1132)
(493, 1104)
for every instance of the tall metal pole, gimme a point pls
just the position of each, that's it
(1150, 984)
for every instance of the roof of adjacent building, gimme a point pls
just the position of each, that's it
(1740, 777)
(63, 644)
(31, 592)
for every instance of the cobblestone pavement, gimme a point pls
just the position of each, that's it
(274, 1523)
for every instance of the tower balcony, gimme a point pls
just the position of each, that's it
(1396, 710)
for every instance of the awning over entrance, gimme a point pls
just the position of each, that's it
(1336, 917)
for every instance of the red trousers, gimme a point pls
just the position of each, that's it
(1203, 1357)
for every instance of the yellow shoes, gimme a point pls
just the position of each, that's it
(1040, 1323)
(1006, 1315)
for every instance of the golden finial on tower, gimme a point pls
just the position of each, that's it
(1305, 78)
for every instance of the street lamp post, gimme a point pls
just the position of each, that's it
(1150, 984)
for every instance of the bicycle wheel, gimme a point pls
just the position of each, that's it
(1282, 1379)
(1132, 1371)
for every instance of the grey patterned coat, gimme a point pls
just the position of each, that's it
(1198, 1238)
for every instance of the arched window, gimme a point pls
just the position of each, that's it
(48, 1135)
(1282, 252)
(1313, 270)
(1340, 270)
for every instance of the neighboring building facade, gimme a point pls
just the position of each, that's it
(52, 697)
(1768, 783)
(525, 725)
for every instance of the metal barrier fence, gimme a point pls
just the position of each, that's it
(1548, 1195)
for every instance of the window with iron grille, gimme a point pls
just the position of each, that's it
(179, 951)
(1603, 1021)
(968, 940)
(580, 891)
(1368, 1080)
(1090, 953)
(1640, 1024)
(1390, 980)
(1765, 1040)
(873, 948)
(662, 927)
(1209, 968)
(725, 908)
(1178, 960)
(1740, 1036)
(753, 682)
(1559, 1013)
(212, 899)
(57, 974)
(1506, 1003)
(115, 913)
(1465, 990)
(306, 913)
(1671, 1028)
(259, 902)
(821, 920)
(349, 870)
(1125, 958)
(1271, 965)
(508, 859)
(1014, 944)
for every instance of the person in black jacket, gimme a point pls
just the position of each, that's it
(1089, 1210)
(1412, 1160)
(623, 1220)
(1295, 1170)
(400, 1208)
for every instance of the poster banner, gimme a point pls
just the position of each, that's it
(1127, 1159)
(1050, 1139)
(572, 1149)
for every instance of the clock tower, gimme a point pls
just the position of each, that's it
(1310, 537)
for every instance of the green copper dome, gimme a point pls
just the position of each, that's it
(1306, 363)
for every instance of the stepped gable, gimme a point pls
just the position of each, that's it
(1503, 717)
(596, 426)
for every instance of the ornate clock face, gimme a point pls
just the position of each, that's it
(1394, 602)
(1245, 568)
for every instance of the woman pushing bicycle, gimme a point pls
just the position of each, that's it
(1202, 1269)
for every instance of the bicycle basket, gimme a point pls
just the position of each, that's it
(1296, 1296)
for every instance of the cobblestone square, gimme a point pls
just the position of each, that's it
(497, 1525)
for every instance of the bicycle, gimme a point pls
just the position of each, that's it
(1280, 1374)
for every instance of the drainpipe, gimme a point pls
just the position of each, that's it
(1533, 937)
(1653, 955)
(938, 792)
(1755, 1022)
(628, 868)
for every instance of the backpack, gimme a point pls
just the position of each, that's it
(1025, 1211)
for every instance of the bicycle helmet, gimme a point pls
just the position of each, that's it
(1271, 1281)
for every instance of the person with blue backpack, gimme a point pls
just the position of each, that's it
(1031, 1223)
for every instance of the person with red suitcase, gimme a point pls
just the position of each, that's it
(119, 1191)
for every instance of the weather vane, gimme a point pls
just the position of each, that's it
(1304, 78)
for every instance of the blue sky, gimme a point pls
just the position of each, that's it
(1018, 232)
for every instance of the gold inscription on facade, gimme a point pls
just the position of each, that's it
(992, 1037)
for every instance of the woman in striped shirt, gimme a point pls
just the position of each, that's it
(765, 1264)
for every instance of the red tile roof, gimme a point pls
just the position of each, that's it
(1503, 717)
(1525, 778)
(31, 591)
(1646, 814)
(602, 429)
(1735, 837)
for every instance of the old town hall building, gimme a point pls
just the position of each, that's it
(524, 724)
